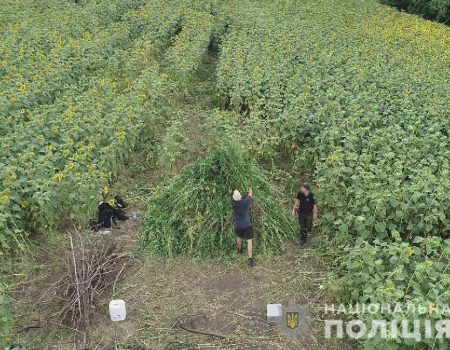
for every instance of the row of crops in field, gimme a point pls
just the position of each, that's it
(80, 83)
(354, 92)
(358, 94)
(366, 105)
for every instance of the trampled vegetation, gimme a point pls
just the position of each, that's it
(354, 93)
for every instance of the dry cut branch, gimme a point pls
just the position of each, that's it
(92, 267)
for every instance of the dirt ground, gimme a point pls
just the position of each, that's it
(227, 300)
(170, 301)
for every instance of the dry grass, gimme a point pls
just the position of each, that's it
(228, 300)
(223, 298)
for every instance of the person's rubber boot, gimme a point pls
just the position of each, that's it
(302, 241)
(251, 262)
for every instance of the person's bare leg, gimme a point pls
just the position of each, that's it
(239, 242)
(250, 248)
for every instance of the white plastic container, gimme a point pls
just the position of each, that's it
(274, 313)
(117, 310)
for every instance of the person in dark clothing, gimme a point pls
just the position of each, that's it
(241, 208)
(108, 214)
(105, 215)
(306, 207)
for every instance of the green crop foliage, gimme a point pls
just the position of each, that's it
(80, 83)
(192, 214)
(171, 147)
(186, 53)
(356, 91)
(6, 318)
(399, 273)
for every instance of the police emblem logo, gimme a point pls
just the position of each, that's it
(292, 320)
(295, 321)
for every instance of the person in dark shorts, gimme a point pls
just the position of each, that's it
(306, 207)
(243, 226)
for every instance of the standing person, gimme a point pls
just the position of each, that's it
(241, 208)
(306, 208)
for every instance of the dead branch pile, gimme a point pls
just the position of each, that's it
(92, 267)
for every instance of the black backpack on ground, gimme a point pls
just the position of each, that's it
(107, 215)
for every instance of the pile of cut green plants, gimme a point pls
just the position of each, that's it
(191, 214)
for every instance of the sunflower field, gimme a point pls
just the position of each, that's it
(77, 91)
(363, 103)
(355, 94)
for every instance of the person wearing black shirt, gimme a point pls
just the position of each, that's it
(306, 207)
(241, 207)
